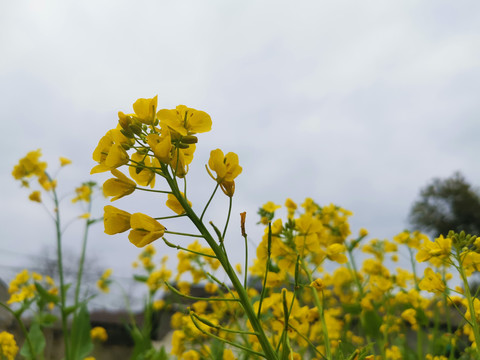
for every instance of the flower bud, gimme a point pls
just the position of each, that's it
(127, 133)
(189, 139)
(124, 120)
(135, 129)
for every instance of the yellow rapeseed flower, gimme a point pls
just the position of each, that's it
(145, 229)
(36, 196)
(271, 206)
(161, 145)
(432, 282)
(104, 282)
(99, 333)
(145, 110)
(227, 169)
(8, 346)
(190, 355)
(64, 161)
(83, 192)
(142, 172)
(440, 248)
(29, 165)
(115, 220)
(184, 120)
(119, 186)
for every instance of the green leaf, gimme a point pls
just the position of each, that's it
(37, 341)
(45, 319)
(353, 309)
(80, 342)
(141, 278)
(45, 295)
(217, 347)
(142, 344)
(371, 323)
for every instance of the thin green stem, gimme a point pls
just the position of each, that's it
(267, 269)
(212, 325)
(471, 307)
(63, 290)
(178, 247)
(82, 256)
(320, 310)
(224, 340)
(246, 262)
(169, 217)
(228, 217)
(209, 201)
(152, 190)
(23, 328)
(183, 234)
(171, 288)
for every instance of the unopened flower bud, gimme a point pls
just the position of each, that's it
(135, 129)
(124, 120)
(127, 133)
(189, 139)
(183, 146)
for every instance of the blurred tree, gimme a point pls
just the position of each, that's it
(447, 204)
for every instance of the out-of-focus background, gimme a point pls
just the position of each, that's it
(354, 103)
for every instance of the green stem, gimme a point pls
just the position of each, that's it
(63, 292)
(228, 218)
(151, 190)
(242, 293)
(320, 310)
(171, 288)
(209, 201)
(169, 217)
(82, 256)
(267, 269)
(183, 234)
(246, 262)
(224, 340)
(22, 327)
(471, 307)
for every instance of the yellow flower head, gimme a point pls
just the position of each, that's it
(64, 161)
(104, 282)
(318, 284)
(184, 120)
(335, 253)
(83, 193)
(36, 196)
(142, 172)
(271, 206)
(145, 229)
(29, 166)
(115, 220)
(227, 169)
(99, 333)
(109, 152)
(145, 110)
(432, 282)
(8, 346)
(161, 145)
(440, 248)
(118, 187)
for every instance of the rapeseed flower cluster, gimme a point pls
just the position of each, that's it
(155, 144)
(8, 346)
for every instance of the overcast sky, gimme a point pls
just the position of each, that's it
(355, 103)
